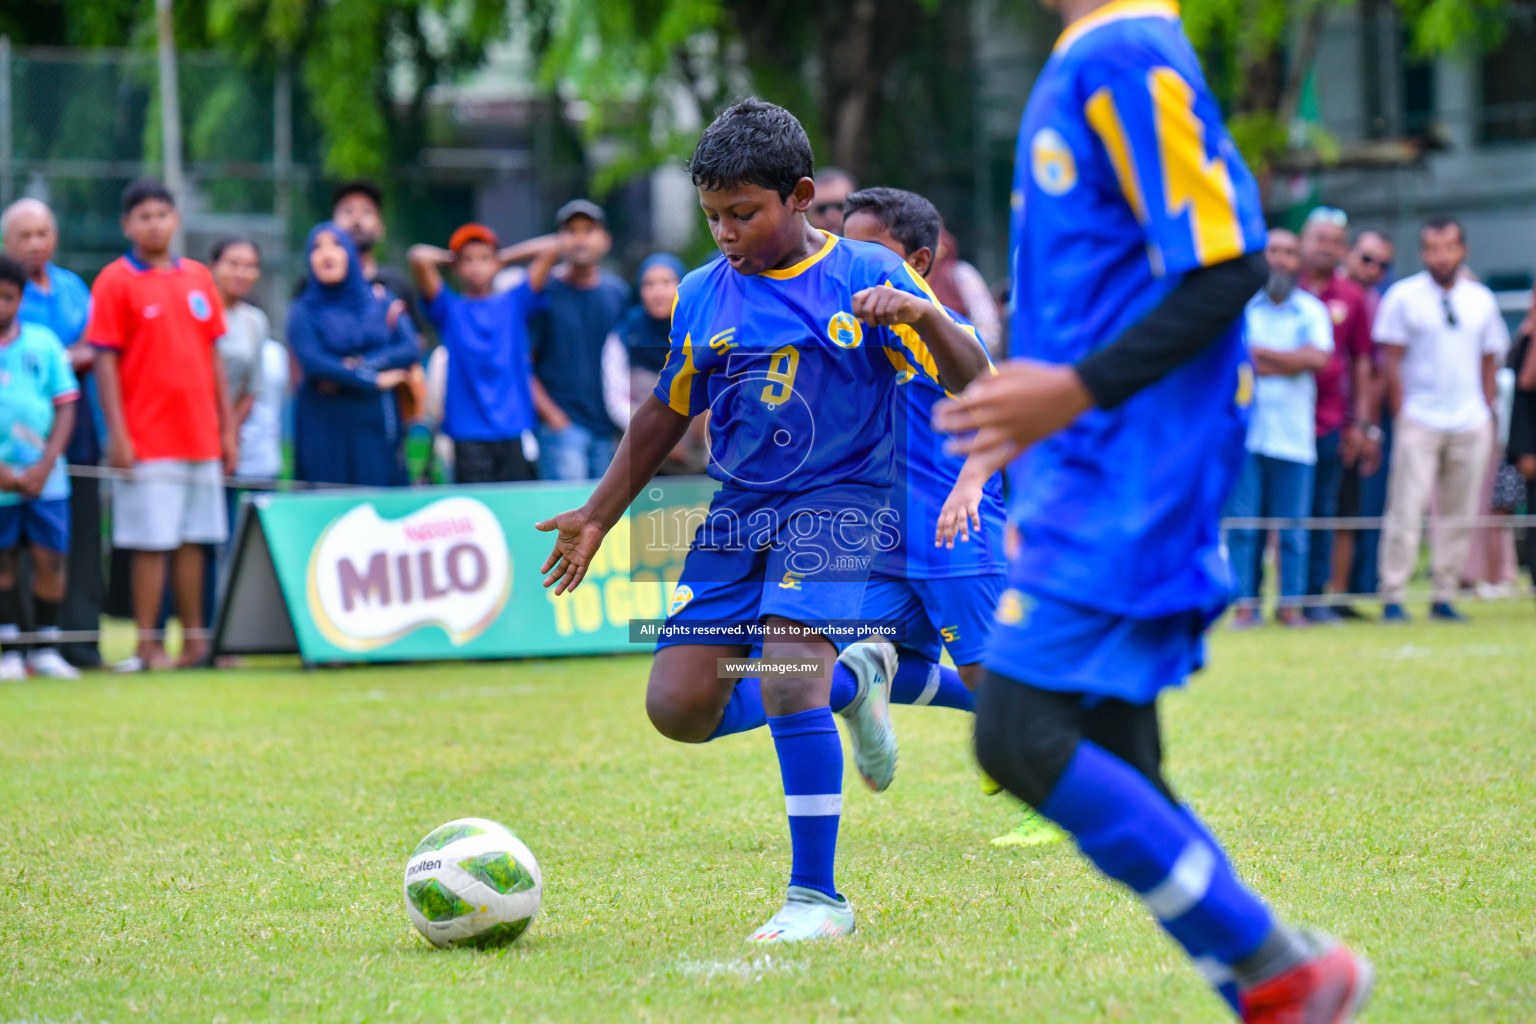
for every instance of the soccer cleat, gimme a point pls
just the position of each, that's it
(873, 663)
(1330, 988)
(806, 915)
(1034, 830)
(13, 667)
(989, 785)
(1392, 613)
(1444, 611)
(46, 661)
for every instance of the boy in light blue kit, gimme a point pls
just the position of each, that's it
(37, 413)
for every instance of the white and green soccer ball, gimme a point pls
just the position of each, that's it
(471, 882)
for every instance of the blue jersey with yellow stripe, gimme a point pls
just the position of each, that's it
(1126, 180)
(800, 392)
(925, 474)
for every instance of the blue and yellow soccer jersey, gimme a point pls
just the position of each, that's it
(1126, 180)
(35, 378)
(925, 474)
(800, 392)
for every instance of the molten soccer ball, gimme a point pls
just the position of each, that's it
(472, 883)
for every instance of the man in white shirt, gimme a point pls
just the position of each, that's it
(1290, 337)
(1441, 341)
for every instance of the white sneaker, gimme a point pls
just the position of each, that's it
(46, 661)
(807, 914)
(873, 663)
(13, 667)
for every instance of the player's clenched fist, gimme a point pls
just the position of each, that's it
(885, 306)
(576, 542)
(1005, 413)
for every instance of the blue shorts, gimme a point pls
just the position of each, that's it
(44, 522)
(1056, 645)
(953, 613)
(786, 555)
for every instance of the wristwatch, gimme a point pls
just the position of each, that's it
(1372, 432)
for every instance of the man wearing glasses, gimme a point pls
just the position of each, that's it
(1442, 341)
(1348, 436)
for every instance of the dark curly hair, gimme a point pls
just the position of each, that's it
(912, 220)
(752, 142)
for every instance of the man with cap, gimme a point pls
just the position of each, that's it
(488, 404)
(357, 207)
(582, 302)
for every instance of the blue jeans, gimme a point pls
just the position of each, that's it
(1373, 502)
(1327, 476)
(1277, 488)
(574, 453)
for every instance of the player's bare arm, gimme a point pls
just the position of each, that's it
(425, 261)
(544, 252)
(959, 356)
(961, 513)
(653, 432)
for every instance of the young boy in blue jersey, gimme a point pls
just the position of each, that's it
(793, 341)
(945, 594)
(1137, 239)
(37, 414)
(489, 400)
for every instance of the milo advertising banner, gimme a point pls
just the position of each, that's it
(444, 573)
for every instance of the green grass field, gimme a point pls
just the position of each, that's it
(229, 847)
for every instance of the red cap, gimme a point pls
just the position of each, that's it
(472, 233)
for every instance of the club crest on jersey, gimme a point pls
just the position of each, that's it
(680, 598)
(1051, 162)
(1013, 607)
(845, 330)
(198, 303)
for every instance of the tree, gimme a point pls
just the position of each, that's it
(352, 55)
(1259, 53)
(651, 70)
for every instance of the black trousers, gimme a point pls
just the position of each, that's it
(491, 462)
(1026, 736)
(86, 574)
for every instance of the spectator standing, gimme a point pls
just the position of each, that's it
(357, 207)
(1522, 420)
(1348, 436)
(1289, 337)
(582, 303)
(354, 350)
(1442, 338)
(488, 401)
(1369, 265)
(155, 320)
(58, 300)
(961, 287)
(636, 351)
(235, 263)
(38, 395)
(833, 187)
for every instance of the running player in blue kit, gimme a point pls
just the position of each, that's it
(793, 341)
(1137, 238)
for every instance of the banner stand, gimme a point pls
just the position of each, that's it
(252, 616)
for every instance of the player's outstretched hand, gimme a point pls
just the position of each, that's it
(885, 306)
(1002, 414)
(577, 539)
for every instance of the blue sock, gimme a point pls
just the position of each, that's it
(845, 686)
(1134, 835)
(811, 763)
(745, 711)
(920, 681)
(1217, 974)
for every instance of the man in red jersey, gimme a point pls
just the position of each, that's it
(154, 320)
